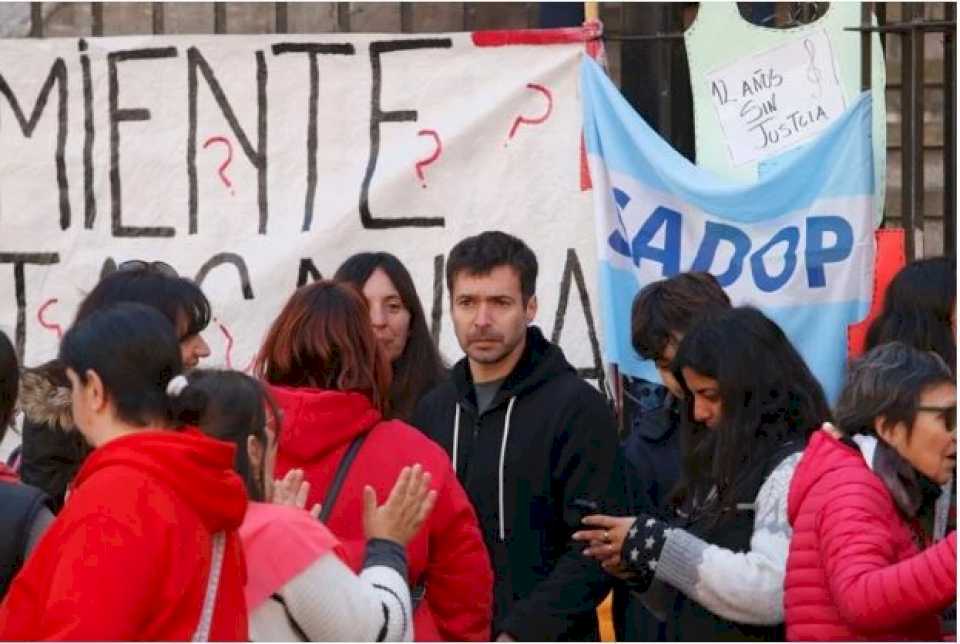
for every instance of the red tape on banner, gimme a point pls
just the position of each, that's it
(890, 258)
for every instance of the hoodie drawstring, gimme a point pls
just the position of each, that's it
(503, 454)
(456, 435)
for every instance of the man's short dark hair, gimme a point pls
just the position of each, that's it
(480, 254)
(671, 306)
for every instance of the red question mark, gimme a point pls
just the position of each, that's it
(53, 326)
(229, 336)
(425, 162)
(535, 120)
(223, 166)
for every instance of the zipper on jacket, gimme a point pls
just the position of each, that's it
(473, 449)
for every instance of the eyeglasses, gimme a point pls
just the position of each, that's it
(949, 414)
(160, 268)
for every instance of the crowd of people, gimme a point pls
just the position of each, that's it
(357, 487)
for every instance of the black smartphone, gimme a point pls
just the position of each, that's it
(582, 508)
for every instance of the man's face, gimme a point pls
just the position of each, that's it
(489, 315)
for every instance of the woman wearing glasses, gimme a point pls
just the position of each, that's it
(52, 450)
(861, 564)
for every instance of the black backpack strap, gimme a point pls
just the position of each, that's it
(21, 504)
(331, 497)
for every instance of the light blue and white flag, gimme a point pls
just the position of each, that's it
(798, 244)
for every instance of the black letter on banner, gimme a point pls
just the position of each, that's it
(58, 74)
(377, 116)
(313, 50)
(308, 271)
(20, 288)
(116, 116)
(436, 314)
(228, 258)
(258, 157)
(572, 268)
(89, 199)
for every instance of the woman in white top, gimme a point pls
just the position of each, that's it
(298, 587)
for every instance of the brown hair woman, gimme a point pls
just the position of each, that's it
(332, 382)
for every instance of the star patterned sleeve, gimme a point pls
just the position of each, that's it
(744, 587)
(641, 550)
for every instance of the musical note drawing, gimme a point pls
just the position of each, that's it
(814, 75)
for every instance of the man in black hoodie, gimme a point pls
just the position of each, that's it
(533, 444)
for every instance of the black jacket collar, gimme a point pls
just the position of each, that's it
(540, 362)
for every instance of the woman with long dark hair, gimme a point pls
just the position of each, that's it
(400, 325)
(714, 568)
(331, 379)
(308, 593)
(861, 564)
(920, 309)
(147, 547)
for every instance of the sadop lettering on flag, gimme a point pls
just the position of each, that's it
(798, 244)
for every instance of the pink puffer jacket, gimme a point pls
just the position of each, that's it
(854, 571)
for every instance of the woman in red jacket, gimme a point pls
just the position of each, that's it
(146, 547)
(333, 383)
(860, 565)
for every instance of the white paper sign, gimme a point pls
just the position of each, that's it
(775, 100)
(257, 163)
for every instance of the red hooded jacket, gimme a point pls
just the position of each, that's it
(448, 555)
(854, 571)
(128, 557)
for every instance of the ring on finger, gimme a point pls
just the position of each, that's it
(606, 536)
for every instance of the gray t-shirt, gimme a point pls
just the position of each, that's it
(485, 393)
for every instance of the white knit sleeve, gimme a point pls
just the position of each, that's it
(329, 602)
(745, 587)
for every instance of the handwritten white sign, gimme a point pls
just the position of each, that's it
(255, 164)
(777, 99)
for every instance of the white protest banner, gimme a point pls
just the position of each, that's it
(257, 163)
(769, 102)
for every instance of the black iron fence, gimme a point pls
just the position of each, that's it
(911, 30)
